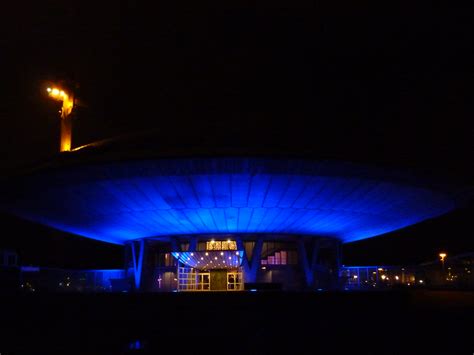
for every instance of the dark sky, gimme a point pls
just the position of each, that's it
(389, 83)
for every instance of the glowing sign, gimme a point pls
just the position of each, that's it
(221, 245)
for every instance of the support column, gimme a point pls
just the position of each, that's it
(66, 123)
(251, 266)
(338, 246)
(138, 254)
(174, 245)
(338, 254)
(193, 242)
(309, 264)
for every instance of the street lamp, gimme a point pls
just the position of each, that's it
(67, 99)
(442, 257)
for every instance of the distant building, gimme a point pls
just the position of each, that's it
(456, 273)
(43, 279)
(8, 258)
(380, 277)
(9, 271)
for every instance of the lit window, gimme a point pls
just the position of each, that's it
(221, 245)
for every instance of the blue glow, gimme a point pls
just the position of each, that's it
(119, 202)
(135, 345)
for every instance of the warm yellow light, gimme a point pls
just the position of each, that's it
(380, 269)
(442, 256)
(383, 277)
(207, 253)
(55, 92)
(48, 89)
(396, 277)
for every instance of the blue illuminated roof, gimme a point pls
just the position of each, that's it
(121, 201)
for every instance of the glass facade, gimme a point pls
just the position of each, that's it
(190, 279)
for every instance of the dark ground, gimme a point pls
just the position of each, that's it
(398, 322)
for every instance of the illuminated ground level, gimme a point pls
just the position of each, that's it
(233, 263)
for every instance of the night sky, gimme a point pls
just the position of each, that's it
(387, 84)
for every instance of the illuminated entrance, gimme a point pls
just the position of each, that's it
(190, 279)
(213, 270)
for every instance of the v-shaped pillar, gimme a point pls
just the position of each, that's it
(251, 266)
(308, 261)
(138, 253)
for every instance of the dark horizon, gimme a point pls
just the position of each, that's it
(385, 84)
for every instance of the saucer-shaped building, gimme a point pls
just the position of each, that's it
(221, 220)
